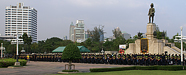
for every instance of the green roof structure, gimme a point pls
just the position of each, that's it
(61, 49)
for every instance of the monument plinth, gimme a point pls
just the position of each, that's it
(150, 44)
(151, 27)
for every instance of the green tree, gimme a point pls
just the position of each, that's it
(65, 42)
(88, 43)
(27, 40)
(135, 37)
(34, 47)
(117, 42)
(174, 37)
(108, 45)
(117, 32)
(140, 35)
(95, 34)
(71, 52)
(129, 41)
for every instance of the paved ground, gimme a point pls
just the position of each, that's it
(42, 68)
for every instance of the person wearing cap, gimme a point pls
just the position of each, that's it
(92, 59)
(179, 60)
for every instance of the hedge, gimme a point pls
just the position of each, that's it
(10, 62)
(70, 71)
(170, 68)
(111, 69)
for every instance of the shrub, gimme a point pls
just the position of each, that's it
(70, 71)
(145, 68)
(10, 62)
(71, 52)
(23, 62)
(111, 69)
(170, 68)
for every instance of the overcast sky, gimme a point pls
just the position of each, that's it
(55, 16)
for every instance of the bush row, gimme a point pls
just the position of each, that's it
(171, 68)
(70, 71)
(10, 62)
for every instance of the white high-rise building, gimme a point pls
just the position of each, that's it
(77, 32)
(21, 19)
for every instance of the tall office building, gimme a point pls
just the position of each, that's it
(77, 32)
(126, 35)
(21, 19)
(71, 32)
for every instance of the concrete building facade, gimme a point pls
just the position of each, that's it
(21, 19)
(71, 32)
(126, 35)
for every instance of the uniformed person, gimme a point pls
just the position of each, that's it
(88, 59)
(105, 59)
(92, 59)
(114, 59)
(110, 59)
(179, 60)
(141, 60)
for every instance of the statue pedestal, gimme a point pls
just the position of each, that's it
(17, 64)
(151, 27)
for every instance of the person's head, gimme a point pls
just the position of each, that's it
(152, 5)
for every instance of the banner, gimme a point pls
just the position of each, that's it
(122, 48)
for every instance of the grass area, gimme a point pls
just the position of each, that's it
(135, 72)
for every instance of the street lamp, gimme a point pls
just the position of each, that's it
(181, 46)
(4, 52)
(181, 38)
(102, 51)
(17, 42)
(2, 48)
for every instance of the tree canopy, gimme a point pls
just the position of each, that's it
(95, 34)
(117, 32)
(71, 52)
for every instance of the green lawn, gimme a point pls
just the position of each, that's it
(135, 72)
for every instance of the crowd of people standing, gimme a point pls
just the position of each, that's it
(119, 59)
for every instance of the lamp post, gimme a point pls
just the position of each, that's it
(181, 46)
(17, 49)
(181, 38)
(2, 48)
(17, 42)
(4, 52)
(102, 51)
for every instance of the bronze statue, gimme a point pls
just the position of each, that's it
(139, 35)
(151, 13)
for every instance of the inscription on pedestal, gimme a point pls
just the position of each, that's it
(144, 45)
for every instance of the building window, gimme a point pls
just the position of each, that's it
(14, 6)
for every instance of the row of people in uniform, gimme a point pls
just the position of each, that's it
(123, 59)
(126, 59)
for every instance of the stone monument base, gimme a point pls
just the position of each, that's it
(17, 64)
(152, 45)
